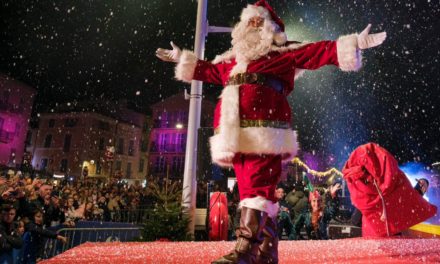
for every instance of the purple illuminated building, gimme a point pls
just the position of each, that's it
(16, 100)
(169, 133)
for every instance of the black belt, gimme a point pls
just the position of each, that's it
(256, 78)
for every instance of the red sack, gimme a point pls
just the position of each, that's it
(218, 217)
(371, 172)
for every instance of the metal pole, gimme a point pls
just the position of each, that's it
(189, 176)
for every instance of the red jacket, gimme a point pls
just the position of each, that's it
(254, 118)
(371, 164)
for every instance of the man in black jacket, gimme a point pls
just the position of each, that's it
(44, 203)
(9, 238)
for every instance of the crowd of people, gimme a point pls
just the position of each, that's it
(32, 208)
(304, 211)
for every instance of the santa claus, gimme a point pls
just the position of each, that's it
(252, 119)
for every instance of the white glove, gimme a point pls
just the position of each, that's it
(169, 55)
(366, 41)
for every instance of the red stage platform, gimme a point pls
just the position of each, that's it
(355, 250)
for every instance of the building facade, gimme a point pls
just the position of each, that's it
(78, 144)
(169, 133)
(16, 101)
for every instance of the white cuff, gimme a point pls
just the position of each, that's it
(261, 204)
(349, 56)
(185, 67)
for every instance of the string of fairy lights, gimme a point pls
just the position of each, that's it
(320, 174)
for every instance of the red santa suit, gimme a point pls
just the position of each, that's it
(383, 193)
(252, 121)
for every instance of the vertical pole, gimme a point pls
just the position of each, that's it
(189, 176)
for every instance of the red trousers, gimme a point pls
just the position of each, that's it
(257, 175)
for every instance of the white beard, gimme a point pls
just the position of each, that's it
(249, 43)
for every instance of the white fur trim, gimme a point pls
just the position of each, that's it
(229, 123)
(252, 140)
(349, 56)
(229, 55)
(267, 140)
(261, 204)
(299, 73)
(225, 57)
(185, 67)
(220, 157)
(252, 11)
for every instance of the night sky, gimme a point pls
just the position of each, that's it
(76, 50)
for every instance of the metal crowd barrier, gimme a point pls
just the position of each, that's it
(131, 216)
(126, 225)
(78, 236)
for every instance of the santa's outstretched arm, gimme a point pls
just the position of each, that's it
(344, 52)
(189, 67)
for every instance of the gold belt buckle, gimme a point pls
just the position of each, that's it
(239, 78)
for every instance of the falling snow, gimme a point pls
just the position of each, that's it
(76, 50)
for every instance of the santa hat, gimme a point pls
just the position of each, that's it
(314, 195)
(264, 10)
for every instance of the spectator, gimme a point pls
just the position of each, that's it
(284, 220)
(316, 220)
(76, 201)
(9, 237)
(35, 237)
(103, 205)
(18, 252)
(298, 201)
(113, 205)
(58, 217)
(422, 186)
(44, 203)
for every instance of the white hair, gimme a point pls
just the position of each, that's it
(249, 43)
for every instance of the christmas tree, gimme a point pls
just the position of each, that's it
(166, 221)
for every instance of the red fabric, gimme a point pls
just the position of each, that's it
(218, 217)
(272, 13)
(257, 100)
(257, 175)
(405, 207)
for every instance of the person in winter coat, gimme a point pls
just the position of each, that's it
(316, 220)
(252, 120)
(298, 201)
(35, 238)
(9, 237)
(284, 221)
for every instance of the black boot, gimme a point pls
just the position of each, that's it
(249, 238)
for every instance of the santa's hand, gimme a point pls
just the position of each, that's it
(366, 41)
(169, 55)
